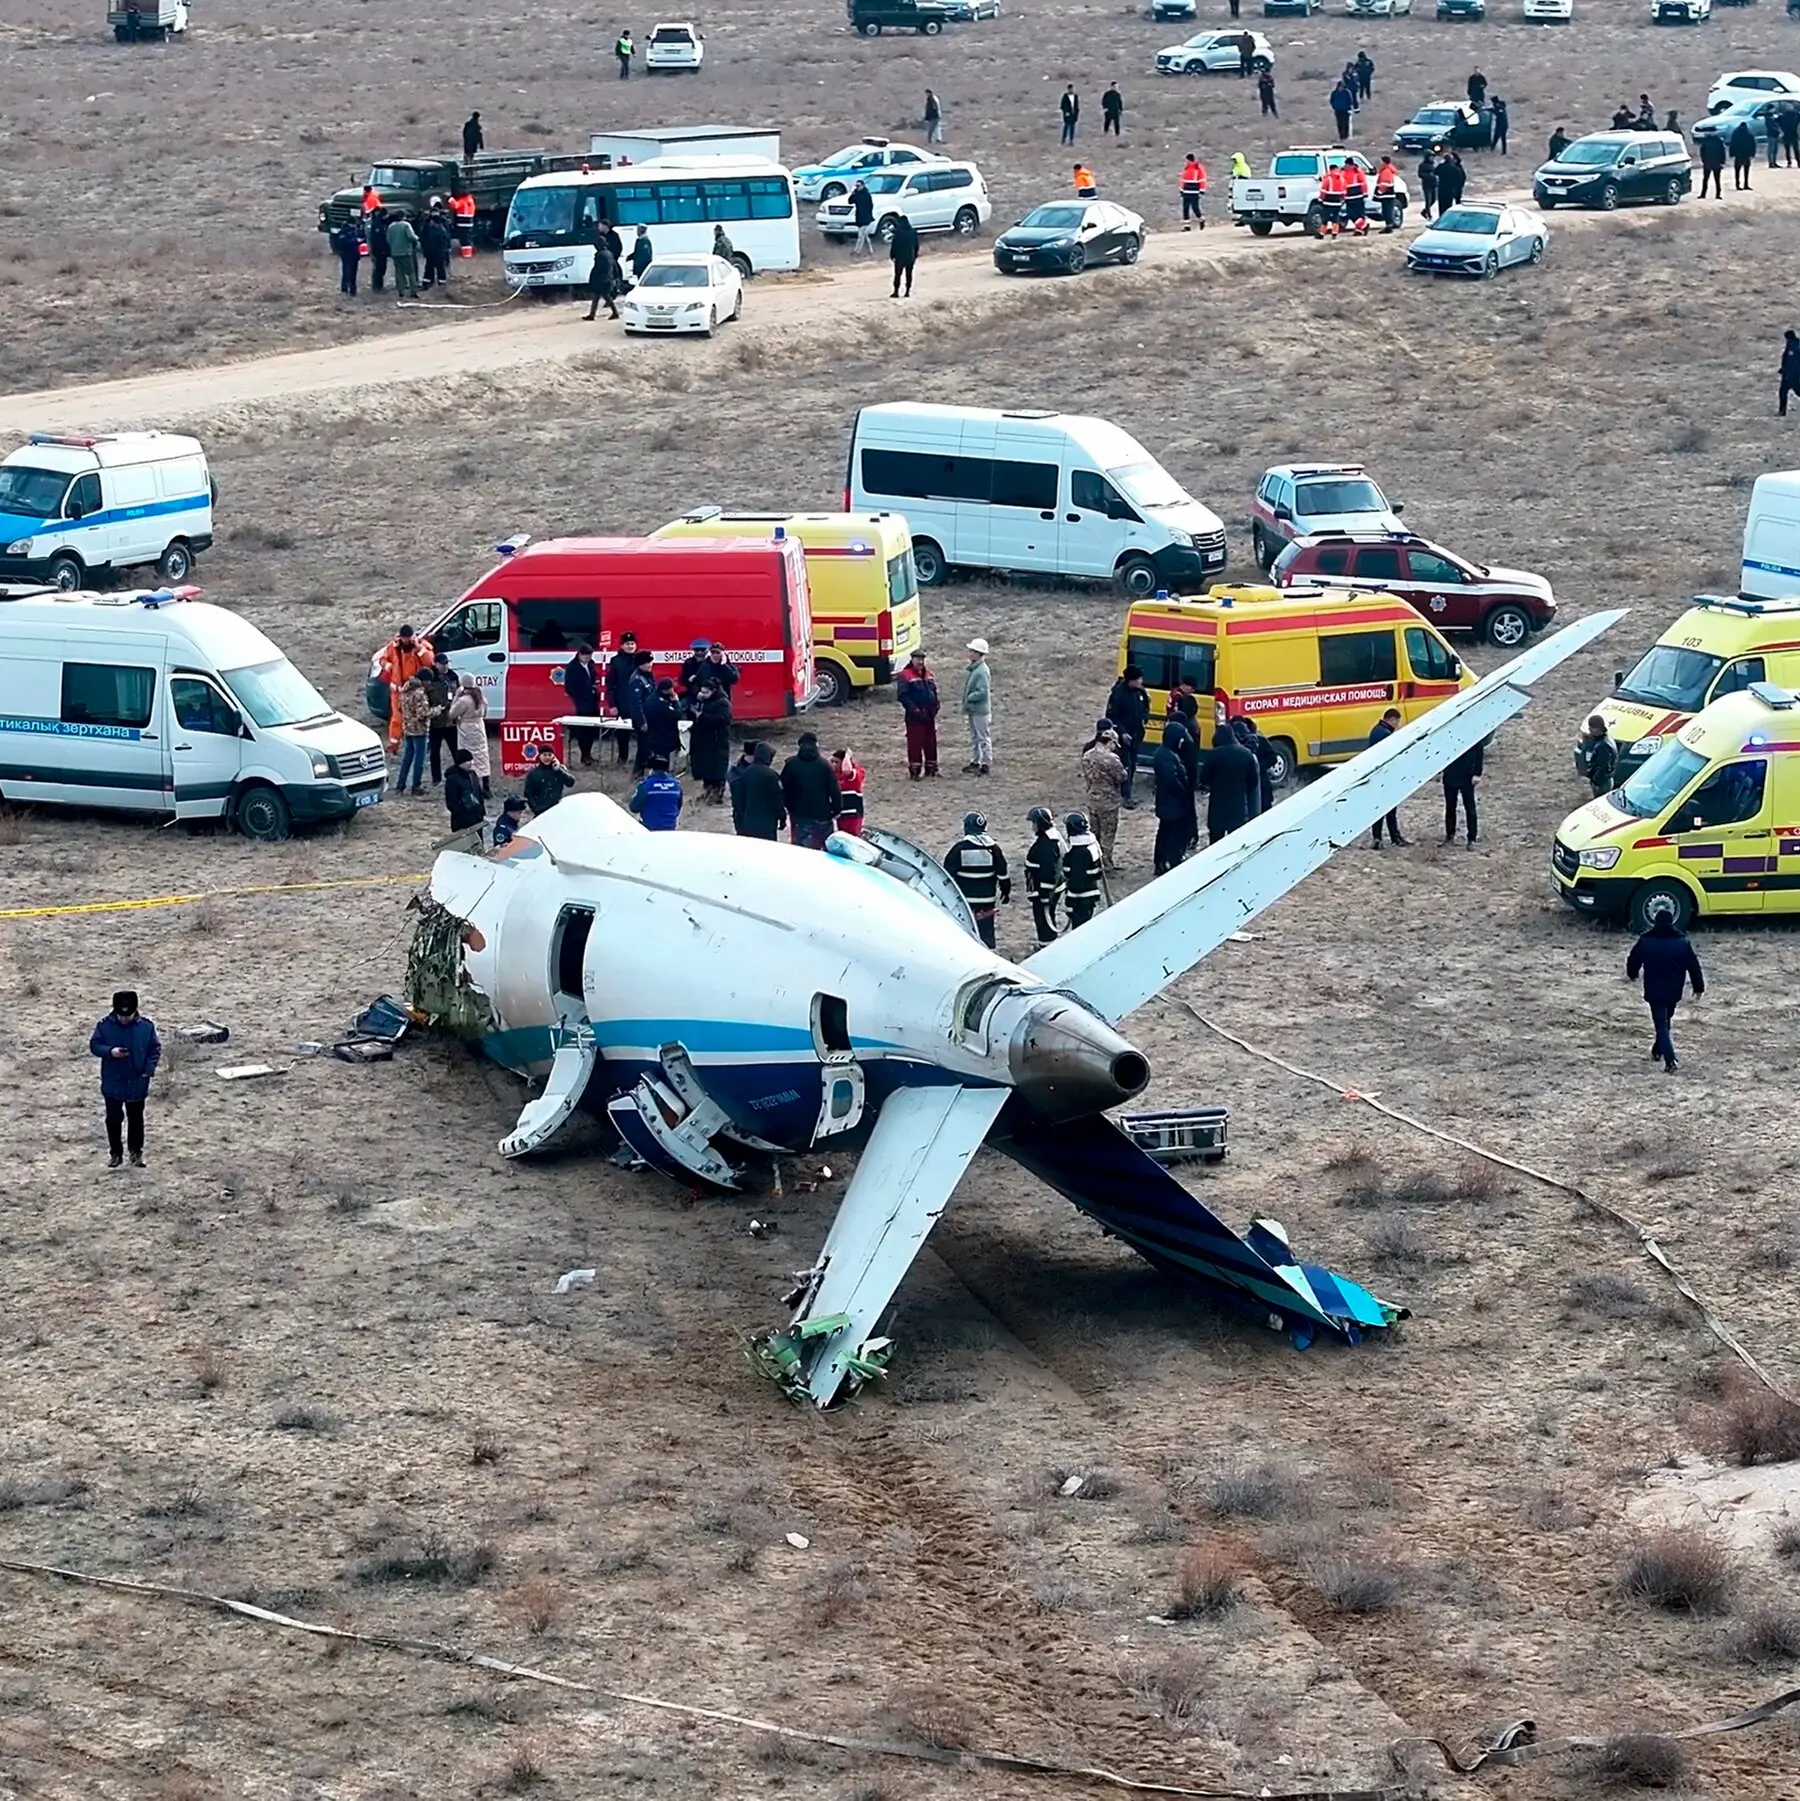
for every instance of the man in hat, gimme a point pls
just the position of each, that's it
(512, 816)
(129, 1051)
(978, 708)
(1665, 959)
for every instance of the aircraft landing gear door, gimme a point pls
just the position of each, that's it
(840, 1075)
(572, 1067)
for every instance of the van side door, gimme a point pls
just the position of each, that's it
(1722, 838)
(207, 737)
(1434, 672)
(1359, 677)
(134, 521)
(84, 507)
(1098, 523)
(110, 747)
(474, 638)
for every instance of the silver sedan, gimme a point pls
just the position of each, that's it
(1478, 239)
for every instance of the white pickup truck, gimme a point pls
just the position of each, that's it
(1289, 193)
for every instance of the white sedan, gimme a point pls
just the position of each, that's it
(684, 293)
(1478, 240)
(1377, 9)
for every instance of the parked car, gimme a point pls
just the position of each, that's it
(1505, 606)
(688, 293)
(1300, 500)
(938, 197)
(675, 48)
(1606, 168)
(1164, 11)
(873, 17)
(1762, 116)
(1215, 52)
(1462, 9)
(1447, 122)
(837, 173)
(1752, 84)
(1066, 236)
(970, 12)
(1549, 12)
(1680, 12)
(1283, 9)
(1478, 240)
(1377, 9)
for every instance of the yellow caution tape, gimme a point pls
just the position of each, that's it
(182, 900)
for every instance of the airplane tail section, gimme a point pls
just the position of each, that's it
(1092, 1163)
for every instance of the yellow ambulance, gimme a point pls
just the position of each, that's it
(1711, 820)
(1719, 646)
(865, 594)
(1315, 668)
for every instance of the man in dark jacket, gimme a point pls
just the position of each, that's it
(977, 865)
(1343, 104)
(1559, 142)
(1175, 824)
(640, 691)
(1128, 707)
(757, 807)
(1452, 178)
(473, 141)
(1743, 154)
(1712, 164)
(1181, 732)
(811, 793)
(1790, 369)
(643, 253)
(1365, 74)
(1081, 870)
(1427, 174)
(581, 689)
(713, 666)
(545, 784)
(1264, 752)
(437, 241)
(619, 668)
(862, 216)
(440, 689)
(1044, 873)
(1477, 86)
(1460, 781)
(347, 242)
(1666, 960)
(1112, 109)
(603, 281)
(661, 736)
(376, 226)
(918, 691)
(1598, 756)
(1385, 727)
(903, 249)
(1232, 785)
(129, 1051)
(462, 792)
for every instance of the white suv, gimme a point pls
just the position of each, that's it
(1215, 53)
(675, 48)
(939, 197)
(1752, 84)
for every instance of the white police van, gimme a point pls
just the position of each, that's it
(155, 702)
(72, 506)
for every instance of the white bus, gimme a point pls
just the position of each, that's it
(551, 228)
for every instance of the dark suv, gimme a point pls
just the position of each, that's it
(873, 17)
(1609, 167)
(1504, 605)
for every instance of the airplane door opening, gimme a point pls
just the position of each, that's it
(570, 951)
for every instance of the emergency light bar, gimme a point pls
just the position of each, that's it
(68, 440)
(510, 547)
(1781, 699)
(1751, 609)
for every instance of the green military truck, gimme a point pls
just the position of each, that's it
(408, 185)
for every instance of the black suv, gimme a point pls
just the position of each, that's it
(1445, 122)
(1609, 167)
(873, 17)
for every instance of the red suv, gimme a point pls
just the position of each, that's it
(1504, 605)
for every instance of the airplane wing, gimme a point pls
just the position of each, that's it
(922, 1142)
(1131, 952)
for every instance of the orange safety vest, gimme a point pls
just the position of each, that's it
(1355, 181)
(463, 205)
(1385, 177)
(371, 200)
(1193, 177)
(1331, 183)
(1084, 179)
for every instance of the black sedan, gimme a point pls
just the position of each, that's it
(1066, 236)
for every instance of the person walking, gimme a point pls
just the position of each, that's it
(1176, 827)
(347, 241)
(1712, 164)
(1265, 92)
(1790, 370)
(919, 704)
(1477, 87)
(1246, 55)
(862, 215)
(624, 49)
(603, 282)
(462, 793)
(468, 715)
(473, 141)
(1597, 756)
(1427, 172)
(643, 253)
(1343, 104)
(1356, 199)
(1071, 112)
(1044, 873)
(1103, 781)
(724, 249)
(1365, 75)
(1501, 120)
(1333, 189)
(978, 708)
(656, 800)
(1112, 110)
(1743, 154)
(403, 242)
(977, 865)
(1385, 727)
(1236, 8)
(1664, 958)
(1081, 870)
(810, 792)
(757, 807)
(1193, 190)
(129, 1051)
(436, 241)
(620, 667)
(415, 733)
(1128, 712)
(709, 741)
(1452, 179)
(1461, 779)
(1233, 787)
(546, 784)
(375, 232)
(1559, 142)
(934, 117)
(581, 689)
(903, 251)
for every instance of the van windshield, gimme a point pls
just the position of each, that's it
(277, 694)
(1669, 676)
(1149, 485)
(1585, 154)
(32, 493)
(1655, 786)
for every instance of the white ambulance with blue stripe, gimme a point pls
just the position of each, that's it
(73, 507)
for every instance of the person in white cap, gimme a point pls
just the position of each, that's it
(978, 706)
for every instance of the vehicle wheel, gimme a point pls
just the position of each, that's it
(1537, 250)
(871, 30)
(1281, 771)
(1492, 265)
(834, 685)
(1609, 197)
(1077, 260)
(1137, 577)
(832, 190)
(1315, 222)
(712, 322)
(1260, 228)
(737, 312)
(1640, 904)
(1266, 553)
(1546, 205)
(885, 230)
(1672, 193)
(1259, 63)
(931, 28)
(1134, 248)
(176, 563)
(67, 573)
(1507, 627)
(741, 264)
(928, 564)
(262, 814)
(966, 223)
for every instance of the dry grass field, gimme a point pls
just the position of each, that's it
(311, 1357)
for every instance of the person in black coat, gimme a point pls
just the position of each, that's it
(462, 793)
(347, 242)
(1175, 824)
(1666, 961)
(472, 138)
(811, 792)
(640, 691)
(603, 281)
(1232, 785)
(581, 688)
(377, 229)
(1743, 154)
(1460, 780)
(436, 242)
(643, 253)
(662, 724)
(1712, 164)
(1385, 727)
(1264, 752)
(709, 741)
(1128, 707)
(903, 249)
(757, 807)
(620, 667)
(1790, 370)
